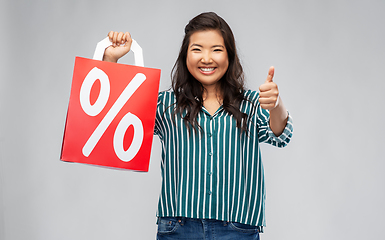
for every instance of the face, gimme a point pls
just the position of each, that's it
(207, 57)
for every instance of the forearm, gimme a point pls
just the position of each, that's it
(278, 118)
(109, 59)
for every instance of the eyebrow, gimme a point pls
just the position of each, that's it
(197, 45)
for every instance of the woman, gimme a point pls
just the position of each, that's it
(210, 128)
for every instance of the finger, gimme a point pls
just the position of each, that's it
(111, 35)
(270, 74)
(268, 100)
(114, 39)
(127, 39)
(268, 86)
(119, 39)
(267, 106)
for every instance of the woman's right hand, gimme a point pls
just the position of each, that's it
(121, 44)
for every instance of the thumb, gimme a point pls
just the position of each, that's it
(271, 75)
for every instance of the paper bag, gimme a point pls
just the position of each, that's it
(111, 112)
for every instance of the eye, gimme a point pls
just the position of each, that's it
(218, 50)
(195, 50)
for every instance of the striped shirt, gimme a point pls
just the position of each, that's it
(216, 173)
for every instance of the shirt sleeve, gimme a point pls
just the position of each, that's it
(266, 135)
(158, 117)
(285, 137)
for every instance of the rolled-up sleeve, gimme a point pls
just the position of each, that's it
(266, 135)
(285, 137)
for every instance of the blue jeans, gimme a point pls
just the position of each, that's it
(204, 229)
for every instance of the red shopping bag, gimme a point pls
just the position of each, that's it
(111, 113)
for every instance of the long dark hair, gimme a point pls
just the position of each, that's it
(188, 90)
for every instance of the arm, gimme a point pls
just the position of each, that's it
(269, 99)
(121, 44)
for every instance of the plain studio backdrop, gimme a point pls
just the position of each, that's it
(328, 183)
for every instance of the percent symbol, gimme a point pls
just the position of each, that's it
(98, 106)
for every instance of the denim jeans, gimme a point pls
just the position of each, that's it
(204, 229)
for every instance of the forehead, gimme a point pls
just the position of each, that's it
(207, 38)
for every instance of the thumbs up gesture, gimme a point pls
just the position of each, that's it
(268, 92)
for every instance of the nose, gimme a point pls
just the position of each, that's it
(206, 58)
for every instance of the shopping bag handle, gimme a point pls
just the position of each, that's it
(105, 43)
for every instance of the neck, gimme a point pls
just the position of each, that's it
(212, 93)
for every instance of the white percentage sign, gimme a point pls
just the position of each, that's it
(125, 122)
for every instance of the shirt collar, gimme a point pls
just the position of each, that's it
(204, 110)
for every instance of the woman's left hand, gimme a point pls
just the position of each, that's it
(269, 99)
(268, 92)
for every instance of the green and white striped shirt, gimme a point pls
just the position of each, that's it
(216, 173)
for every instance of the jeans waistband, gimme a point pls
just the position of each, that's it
(182, 220)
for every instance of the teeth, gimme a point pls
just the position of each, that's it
(207, 69)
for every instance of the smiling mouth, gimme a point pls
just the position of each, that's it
(207, 70)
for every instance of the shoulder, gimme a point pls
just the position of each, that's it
(166, 93)
(251, 96)
(166, 96)
(250, 102)
(165, 100)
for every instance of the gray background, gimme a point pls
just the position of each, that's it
(329, 58)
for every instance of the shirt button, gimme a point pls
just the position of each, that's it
(210, 154)
(209, 192)
(210, 134)
(210, 173)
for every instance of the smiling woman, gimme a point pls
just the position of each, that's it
(207, 58)
(208, 42)
(207, 62)
(210, 128)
